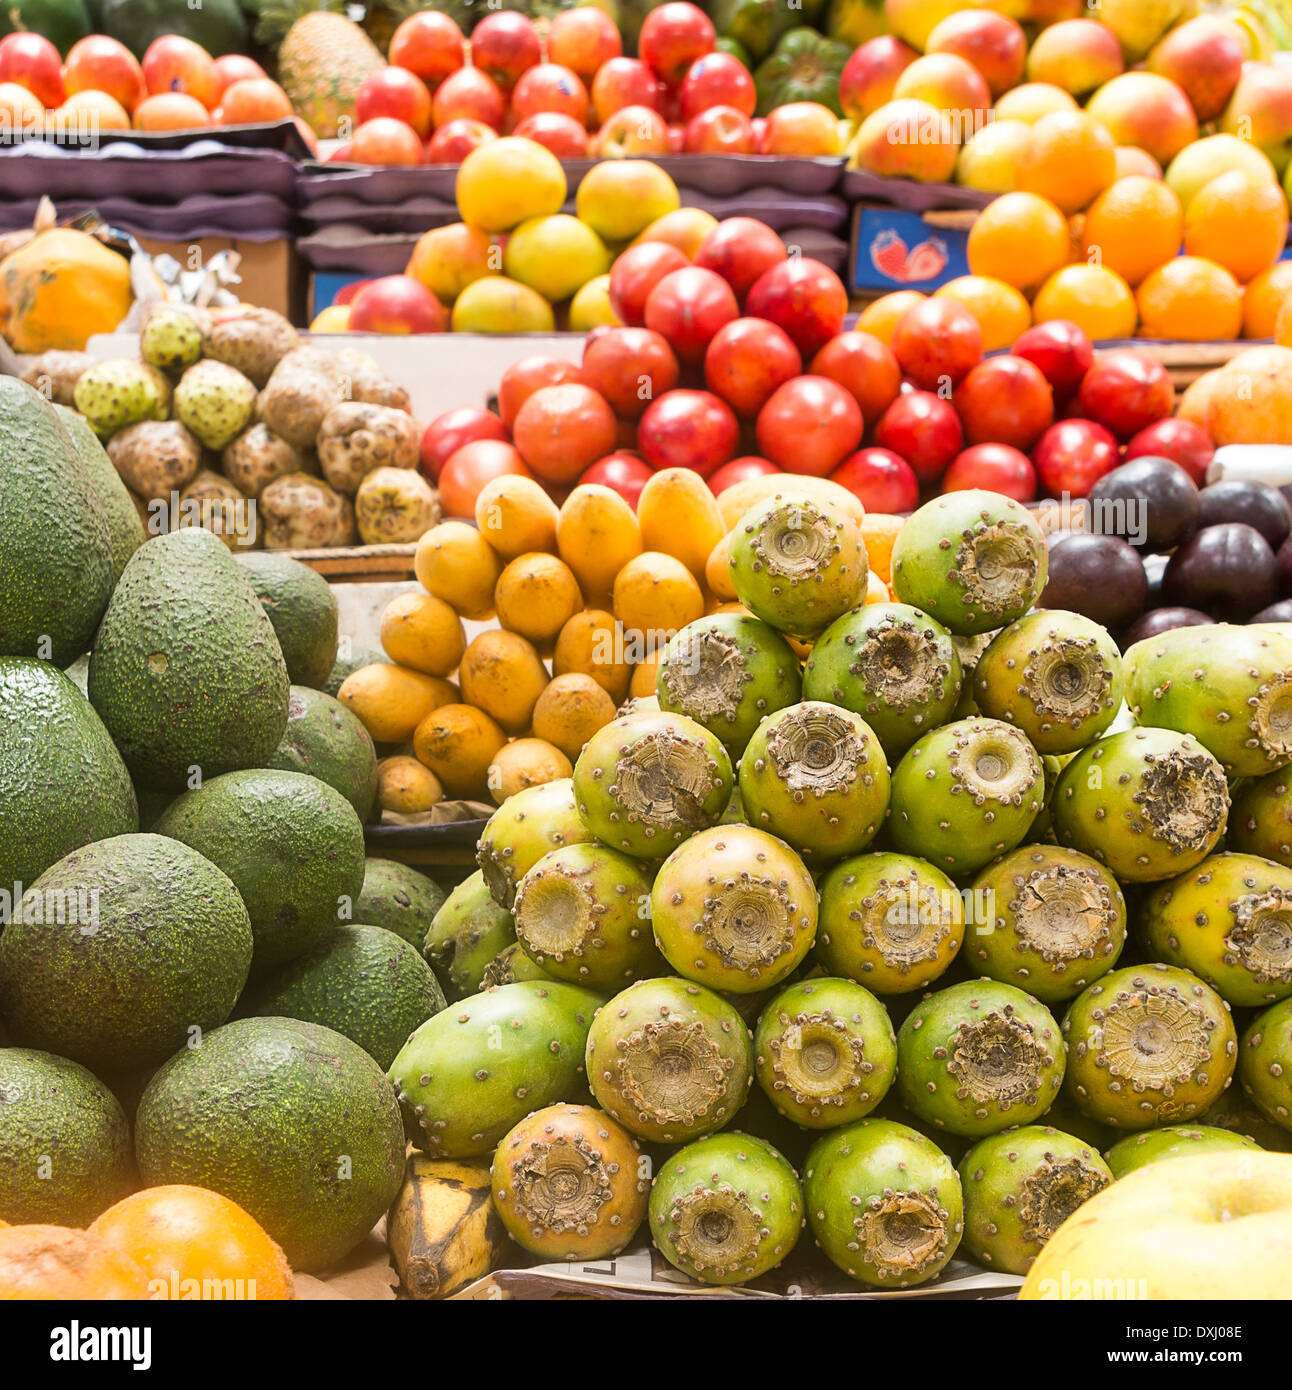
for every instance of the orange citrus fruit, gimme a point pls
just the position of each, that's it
(1095, 298)
(1133, 227)
(1020, 238)
(1190, 300)
(880, 317)
(1238, 222)
(1263, 297)
(1001, 311)
(1070, 160)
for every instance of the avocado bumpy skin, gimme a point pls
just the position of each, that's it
(125, 529)
(303, 610)
(329, 742)
(400, 898)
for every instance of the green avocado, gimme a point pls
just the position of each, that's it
(329, 742)
(302, 608)
(62, 22)
(217, 25)
(347, 665)
(124, 526)
(397, 897)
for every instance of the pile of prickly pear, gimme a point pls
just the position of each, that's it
(899, 929)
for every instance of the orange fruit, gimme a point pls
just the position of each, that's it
(879, 531)
(1130, 159)
(1020, 238)
(1070, 159)
(1133, 227)
(55, 1262)
(1239, 222)
(1001, 311)
(196, 1244)
(880, 317)
(1263, 297)
(1190, 300)
(1031, 100)
(1095, 298)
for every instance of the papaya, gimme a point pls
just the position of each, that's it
(60, 289)
(804, 66)
(217, 25)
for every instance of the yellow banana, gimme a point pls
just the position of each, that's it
(443, 1230)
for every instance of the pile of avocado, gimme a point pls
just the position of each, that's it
(203, 979)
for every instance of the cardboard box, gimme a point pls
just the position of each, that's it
(273, 276)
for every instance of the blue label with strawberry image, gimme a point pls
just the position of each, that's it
(894, 250)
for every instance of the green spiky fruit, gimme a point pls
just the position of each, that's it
(1148, 1045)
(1054, 920)
(815, 775)
(1148, 803)
(1020, 1187)
(975, 560)
(645, 782)
(465, 935)
(889, 921)
(170, 338)
(1261, 819)
(1173, 1141)
(965, 793)
(825, 1053)
(583, 914)
(1053, 674)
(727, 672)
(726, 1209)
(471, 1072)
(525, 828)
(884, 1203)
(1235, 1113)
(890, 663)
(734, 908)
(1042, 830)
(669, 1060)
(1229, 921)
(979, 1057)
(797, 564)
(1265, 1064)
(512, 964)
(568, 1184)
(1230, 687)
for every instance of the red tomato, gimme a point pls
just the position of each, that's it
(863, 366)
(688, 429)
(805, 298)
(563, 430)
(809, 425)
(523, 378)
(880, 480)
(746, 361)
(447, 433)
(630, 367)
(687, 307)
(995, 468)
(937, 341)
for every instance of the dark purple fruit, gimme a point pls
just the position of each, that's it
(1100, 577)
(1228, 571)
(1159, 620)
(1258, 505)
(1280, 612)
(1150, 502)
(1283, 559)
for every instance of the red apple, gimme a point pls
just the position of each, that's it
(563, 430)
(1072, 455)
(869, 76)
(937, 342)
(561, 134)
(429, 45)
(504, 45)
(688, 306)
(100, 64)
(747, 361)
(802, 296)
(717, 79)
(1063, 352)
(741, 250)
(719, 130)
(923, 429)
(519, 382)
(1181, 441)
(396, 93)
(804, 129)
(688, 429)
(1125, 391)
(396, 304)
(454, 141)
(339, 155)
(623, 82)
(447, 433)
(994, 468)
(809, 425)
(635, 274)
(33, 62)
(1005, 400)
(630, 367)
(673, 37)
(345, 295)
(993, 43)
(863, 365)
(624, 471)
(632, 130)
(739, 471)
(881, 480)
(676, 139)
(550, 87)
(1205, 57)
(384, 140)
(582, 40)
(470, 95)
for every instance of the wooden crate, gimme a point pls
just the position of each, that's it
(359, 564)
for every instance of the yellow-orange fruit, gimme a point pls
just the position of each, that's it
(679, 516)
(570, 711)
(55, 1262)
(391, 701)
(458, 742)
(879, 532)
(717, 573)
(501, 674)
(1195, 399)
(655, 595)
(876, 589)
(454, 562)
(643, 682)
(597, 534)
(591, 644)
(423, 633)
(536, 596)
(735, 501)
(525, 762)
(516, 516)
(406, 787)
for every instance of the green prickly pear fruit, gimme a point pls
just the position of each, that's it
(465, 935)
(1020, 1187)
(1148, 1045)
(112, 395)
(1148, 803)
(1229, 921)
(726, 672)
(522, 830)
(1236, 1114)
(1053, 921)
(512, 964)
(1174, 1141)
(1265, 1064)
(669, 1060)
(816, 775)
(1261, 819)
(1053, 674)
(965, 793)
(734, 908)
(583, 914)
(889, 921)
(726, 1209)
(884, 1203)
(638, 704)
(569, 1184)
(825, 1053)
(890, 663)
(1230, 687)
(797, 564)
(979, 1057)
(170, 338)
(975, 560)
(645, 782)
(1042, 830)
(469, 1073)
(214, 402)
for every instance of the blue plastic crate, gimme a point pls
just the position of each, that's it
(896, 250)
